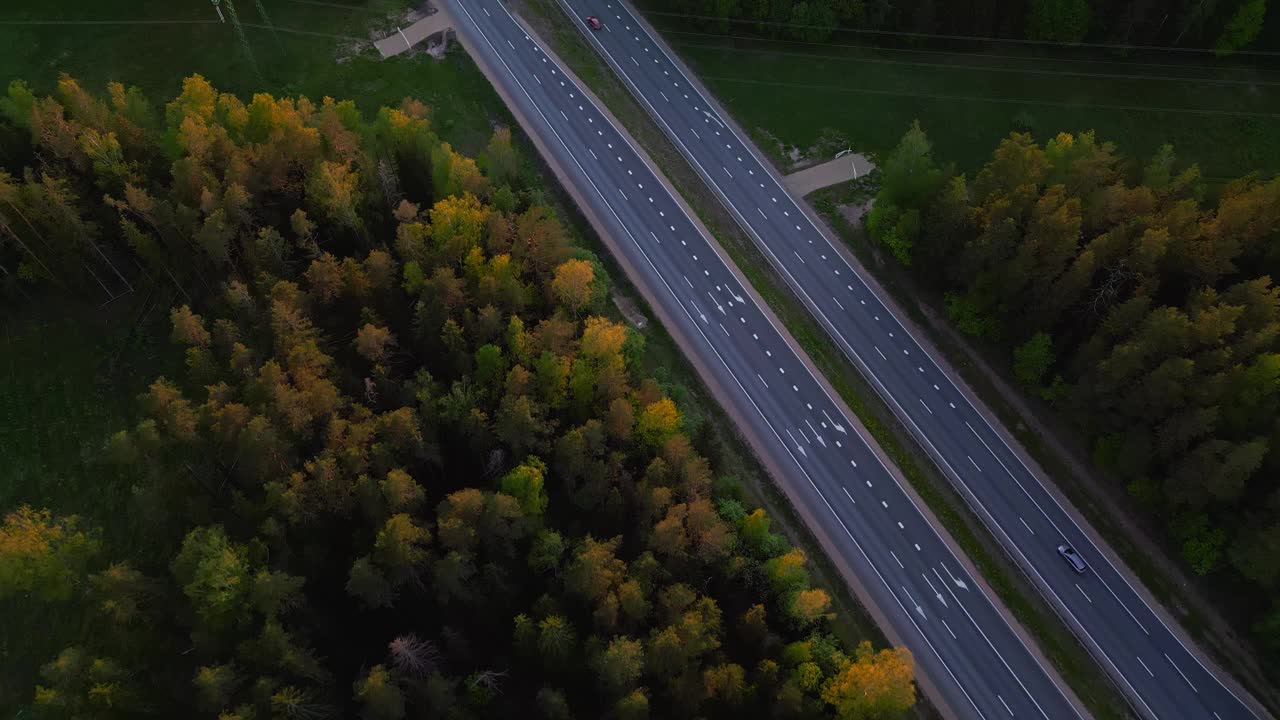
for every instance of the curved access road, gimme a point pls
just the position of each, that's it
(1158, 670)
(973, 662)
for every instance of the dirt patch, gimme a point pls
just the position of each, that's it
(855, 212)
(629, 308)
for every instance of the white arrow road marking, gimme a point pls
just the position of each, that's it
(913, 601)
(798, 446)
(713, 117)
(835, 425)
(954, 579)
(815, 433)
(713, 299)
(934, 589)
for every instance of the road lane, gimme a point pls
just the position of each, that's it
(957, 636)
(1111, 616)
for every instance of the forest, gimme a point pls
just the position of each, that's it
(1141, 305)
(408, 466)
(1225, 26)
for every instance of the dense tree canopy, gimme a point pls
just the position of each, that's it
(410, 468)
(1146, 311)
(1223, 26)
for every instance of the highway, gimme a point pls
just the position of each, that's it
(971, 658)
(1160, 674)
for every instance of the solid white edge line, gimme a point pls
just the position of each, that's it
(836, 330)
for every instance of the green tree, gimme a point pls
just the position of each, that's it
(501, 163)
(1058, 20)
(76, 684)
(401, 546)
(216, 686)
(633, 706)
(216, 576)
(1032, 359)
(909, 174)
(334, 192)
(619, 665)
(1242, 28)
(43, 555)
(379, 695)
(556, 640)
(525, 484)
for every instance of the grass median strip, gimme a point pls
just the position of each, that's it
(1068, 656)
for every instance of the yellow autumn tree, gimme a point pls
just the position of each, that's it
(573, 284)
(809, 606)
(188, 327)
(873, 685)
(454, 174)
(374, 342)
(602, 339)
(457, 225)
(333, 190)
(42, 554)
(658, 422)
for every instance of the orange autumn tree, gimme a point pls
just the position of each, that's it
(874, 685)
(573, 284)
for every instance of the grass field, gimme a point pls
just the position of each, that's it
(318, 48)
(1224, 116)
(69, 378)
(70, 373)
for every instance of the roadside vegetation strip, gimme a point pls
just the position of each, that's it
(1093, 500)
(1068, 656)
(1003, 92)
(740, 471)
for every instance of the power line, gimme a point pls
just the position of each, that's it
(997, 56)
(255, 26)
(295, 31)
(109, 22)
(341, 6)
(990, 68)
(970, 38)
(1002, 101)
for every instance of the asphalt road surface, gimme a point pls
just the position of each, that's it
(978, 665)
(1149, 660)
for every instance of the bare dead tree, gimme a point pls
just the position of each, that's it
(488, 679)
(413, 656)
(390, 181)
(1117, 279)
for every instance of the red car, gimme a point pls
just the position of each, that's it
(594, 22)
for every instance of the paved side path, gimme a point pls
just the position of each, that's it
(405, 38)
(828, 173)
